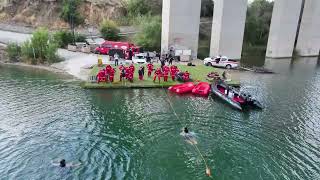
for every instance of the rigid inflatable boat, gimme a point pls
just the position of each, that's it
(233, 96)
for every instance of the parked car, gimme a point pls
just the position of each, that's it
(139, 58)
(222, 61)
(105, 47)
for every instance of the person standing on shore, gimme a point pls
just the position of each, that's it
(116, 59)
(158, 74)
(150, 69)
(140, 72)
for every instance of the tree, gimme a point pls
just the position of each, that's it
(258, 22)
(137, 7)
(149, 36)
(109, 30)
(70, 12)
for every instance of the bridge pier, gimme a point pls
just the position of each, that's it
(180, 25)
(283, 28)
(308, 43)
(228, 28)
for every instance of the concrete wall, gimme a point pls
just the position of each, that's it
(308, 43)
(180, 25)
(283, 28)
(228, 28)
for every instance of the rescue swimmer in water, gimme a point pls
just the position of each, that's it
(62, 163)
(189, 136)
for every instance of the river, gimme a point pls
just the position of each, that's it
(133, 134)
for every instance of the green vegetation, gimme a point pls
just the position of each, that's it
(40, 49)
(70, 12)
(149, 36)
(14, 51)
(63, 38)
(198, 73)
(109, 30)
(137, 8)
(258, 23)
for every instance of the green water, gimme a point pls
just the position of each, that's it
(133, 134)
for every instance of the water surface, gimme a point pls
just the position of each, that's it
(133, 134)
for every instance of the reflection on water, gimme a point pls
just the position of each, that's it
(133, 134)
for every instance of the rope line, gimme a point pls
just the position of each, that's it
(193, 144)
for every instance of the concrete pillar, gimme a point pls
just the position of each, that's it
(228, 28)
(283, 28)
(308, 43)
(180, 25)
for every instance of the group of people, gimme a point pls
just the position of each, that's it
(127, 72)
(107, 74)
(164, 72)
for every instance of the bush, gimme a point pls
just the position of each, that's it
(13, 50)
(149, 36)
(137, 7)
(109, 30)
(70, 12)
(40, 49)
(63, 38)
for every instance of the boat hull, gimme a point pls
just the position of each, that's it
(215, 91)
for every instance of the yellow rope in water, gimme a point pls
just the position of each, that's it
(208, 172)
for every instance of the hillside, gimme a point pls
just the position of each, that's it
(47, 12)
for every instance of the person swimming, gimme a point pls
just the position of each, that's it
(189, 136)
(62, 163)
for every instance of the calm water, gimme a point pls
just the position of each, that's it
(133, 134)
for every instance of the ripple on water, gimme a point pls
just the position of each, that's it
(134, 134)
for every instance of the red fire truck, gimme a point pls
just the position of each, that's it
(112, 47)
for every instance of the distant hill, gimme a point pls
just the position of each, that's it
(47, 12)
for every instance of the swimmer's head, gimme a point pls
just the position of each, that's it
(63, 163)
(186, 130)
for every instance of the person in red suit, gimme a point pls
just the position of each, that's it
(150, 69)
(166, 70)
(101, 76)
(186, 76)
(130, 74)
(158, 74)
(108, 69)
(132, 68)
(111, 74)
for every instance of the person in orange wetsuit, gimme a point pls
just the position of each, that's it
(166, 70)
(186, 76)
(111, 74)
(158, 74)
(150, 69)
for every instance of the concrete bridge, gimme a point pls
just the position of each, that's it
(295, 25)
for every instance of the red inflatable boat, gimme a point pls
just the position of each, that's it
(175, 87)
(201, 89)
(185, 88)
